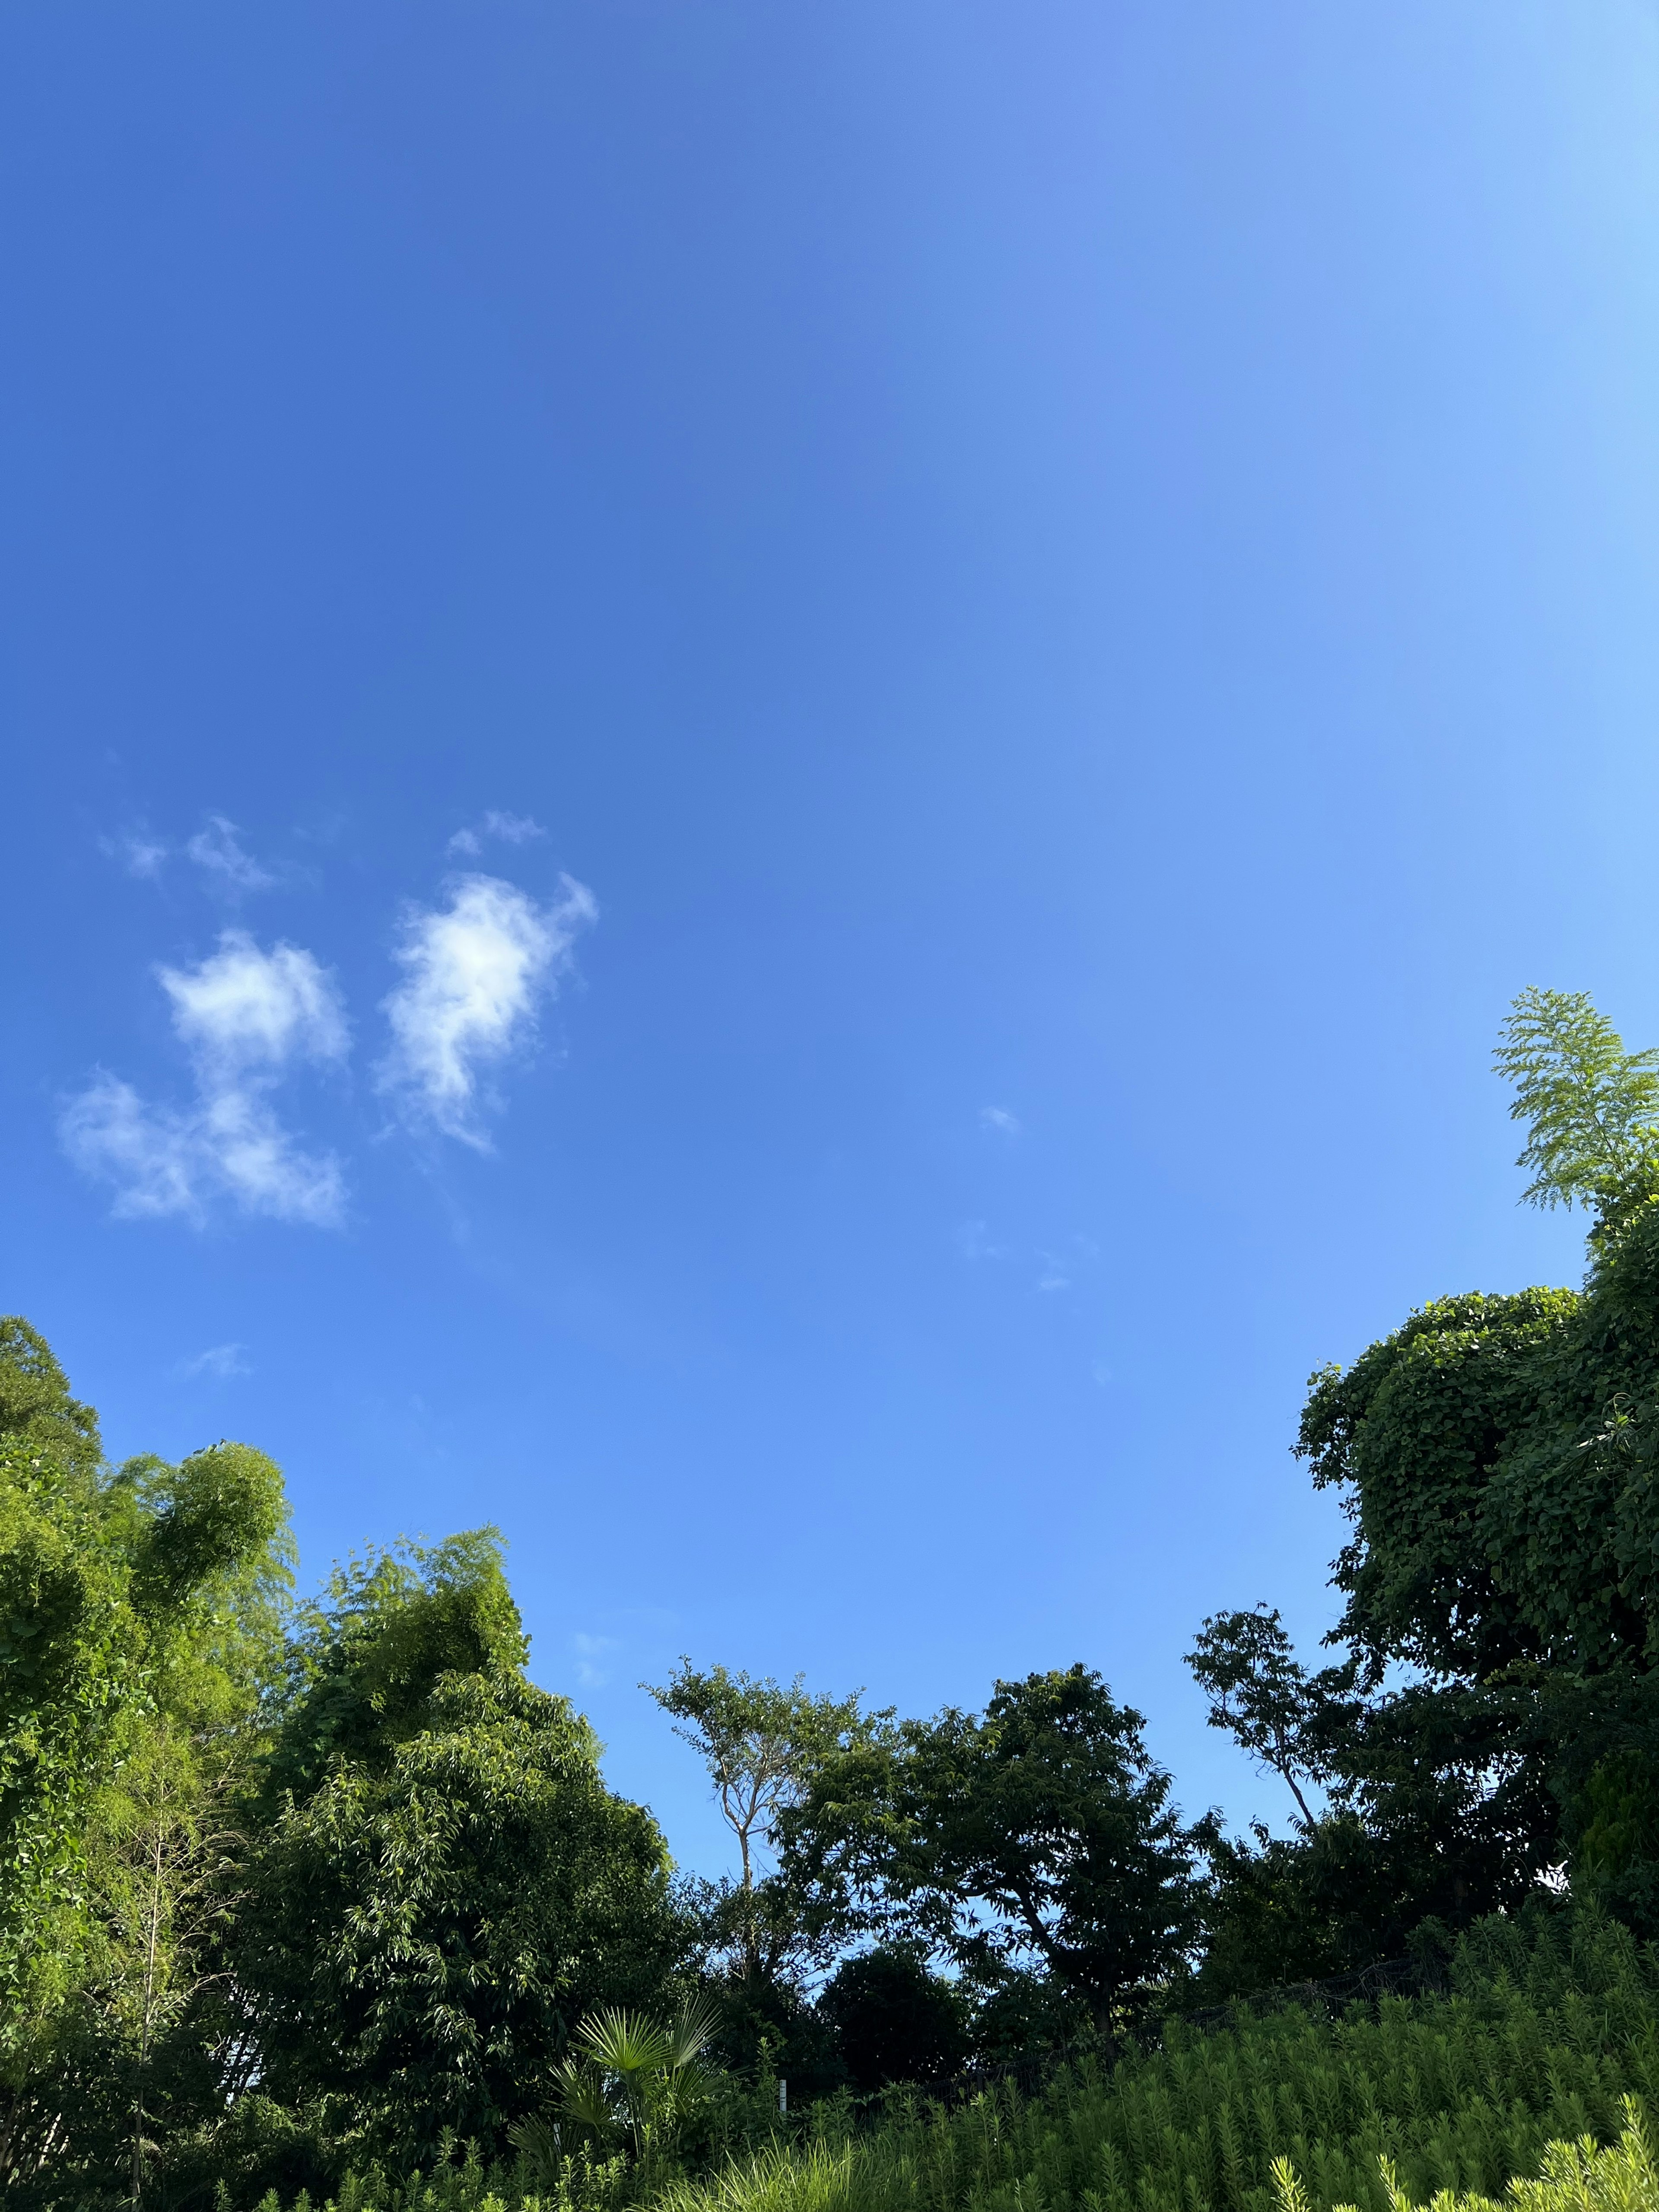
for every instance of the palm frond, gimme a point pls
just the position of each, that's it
(624, 2042)
(692, 2032)
(581, 2093)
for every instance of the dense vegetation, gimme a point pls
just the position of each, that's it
(310, 1896)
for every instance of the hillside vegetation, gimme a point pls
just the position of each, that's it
(1541, 2037)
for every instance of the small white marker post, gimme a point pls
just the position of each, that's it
(783, 2096)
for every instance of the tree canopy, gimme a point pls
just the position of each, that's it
(1038, 1834)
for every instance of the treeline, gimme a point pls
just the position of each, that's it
(292, 1890)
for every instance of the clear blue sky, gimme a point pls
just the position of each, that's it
(1072, 590)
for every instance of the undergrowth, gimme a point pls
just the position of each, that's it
(1546, 2031)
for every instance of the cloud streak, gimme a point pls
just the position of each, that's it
(475, 973)
(216, 851)
(507, 829)
(139, 853)
(221, 1361)
(245, 1018)
(592, 1656)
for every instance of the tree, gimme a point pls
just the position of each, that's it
(1498, 1711)
(1037, 1835)
(444, 1885)
(763, 1744)
(894, 2021)
(139, 1618)
(1266, 1699)
(1591, 1108)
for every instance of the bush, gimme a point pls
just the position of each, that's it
(1576, 2177)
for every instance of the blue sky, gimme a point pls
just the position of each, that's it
(773, 773)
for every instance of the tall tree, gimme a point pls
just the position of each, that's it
(763, 1744)
(442, 1885)
(139, 1622)
(1262, 1695)
(1496, 1456)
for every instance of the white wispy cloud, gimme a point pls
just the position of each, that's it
(218, 852)
(998, 1119)
(505, 829)
(221, 1361)
(593, 1652)
(139, 853)
(244, 1018)
(474, 972)
(244, 1010)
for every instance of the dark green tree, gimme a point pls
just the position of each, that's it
(1037, 1836)
(896, 2020)
(1496, 1714)
(1261, 1695)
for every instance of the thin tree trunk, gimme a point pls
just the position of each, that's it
(151, 1941)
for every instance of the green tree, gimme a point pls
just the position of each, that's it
(1591, 1109)
(443, 1885)
(139, 1621)
(1038, 1835)
(763, 1744)
(896, 2020)
(1496, 1457)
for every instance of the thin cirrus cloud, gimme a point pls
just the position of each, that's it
(505, 829)
(216, 849)
(246, 1019)
(593, 1654)
(139, 853)
(475, 973)
(221, 1361)
(218, 852)
(999, 1120)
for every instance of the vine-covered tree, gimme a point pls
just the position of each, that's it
(1496, 1457)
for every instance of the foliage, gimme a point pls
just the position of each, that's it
(363, 1657)
(1591, 1109)
(445, 1886)
(894, 2021)
(1496, 1458)
(1576, 2177)
(1039, 1834)
(629, 2079)
(1549, 2027)
(763, 1744)
(37, 1417)
(1496, 1716)
(139, 1621)
(1265, 1699)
